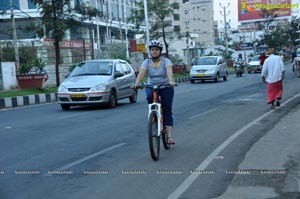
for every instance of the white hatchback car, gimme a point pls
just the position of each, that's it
(209, 68)
(254, 65)
(98, 82)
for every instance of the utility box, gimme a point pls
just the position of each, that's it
(8, 78)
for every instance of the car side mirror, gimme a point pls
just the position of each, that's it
(118, 74)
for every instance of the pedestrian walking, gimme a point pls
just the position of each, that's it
(273, 73)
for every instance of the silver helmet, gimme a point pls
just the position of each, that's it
(155, 43)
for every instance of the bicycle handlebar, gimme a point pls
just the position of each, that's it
(145, 85)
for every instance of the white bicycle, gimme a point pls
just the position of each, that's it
(156, 130)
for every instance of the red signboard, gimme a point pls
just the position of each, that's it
(132, 44)
(250, 10)
(68, 43)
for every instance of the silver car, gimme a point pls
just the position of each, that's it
(98, 82)
(209, 68)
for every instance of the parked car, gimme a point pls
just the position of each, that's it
(98, 82)
(254, 64)
(209, 68)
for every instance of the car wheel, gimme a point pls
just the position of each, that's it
(225, 77)
(249, 71)
(133, 97)
(298, 73)
(112, 103)
(192, 81)
(217, 77)
(65, 107)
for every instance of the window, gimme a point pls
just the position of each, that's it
(186, 12)
(187, 23)
(31, 4)
(118, 68)
(125, 68)
(77, 2)
(175, 5)
(4, 4)
(176, 17)
(185, 1)
(177, 28)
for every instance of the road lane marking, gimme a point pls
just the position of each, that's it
(87, 158)
(201, 114)
(72, 115)
(193, 176)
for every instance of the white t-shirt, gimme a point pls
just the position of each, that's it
(273, 68)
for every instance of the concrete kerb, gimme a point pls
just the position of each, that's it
(19, 101)
(12, 102)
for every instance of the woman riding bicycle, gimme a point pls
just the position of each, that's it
(159, 70)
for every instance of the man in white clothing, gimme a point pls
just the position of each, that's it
(273, 73)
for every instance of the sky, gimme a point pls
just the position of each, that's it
(233, 8)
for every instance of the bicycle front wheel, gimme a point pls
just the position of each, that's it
(153, 138)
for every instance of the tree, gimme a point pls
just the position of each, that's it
(293, 31)
(158, 12)
(57, 17)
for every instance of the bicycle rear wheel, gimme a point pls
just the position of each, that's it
(153, 138)
(165, 137)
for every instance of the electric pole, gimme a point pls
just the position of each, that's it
(225, 14)
(17, 58)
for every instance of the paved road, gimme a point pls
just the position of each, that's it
(97, 152)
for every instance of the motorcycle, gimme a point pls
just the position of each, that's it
(239, 69)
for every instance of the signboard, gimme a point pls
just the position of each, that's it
(140, 47)
(251, 10)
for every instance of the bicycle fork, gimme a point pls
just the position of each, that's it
(156, 107)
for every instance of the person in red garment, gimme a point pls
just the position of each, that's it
(262, 59)
(273, 73)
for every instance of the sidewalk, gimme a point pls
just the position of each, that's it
(271, 169)
(12, 102)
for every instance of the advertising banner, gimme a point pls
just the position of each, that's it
(250, 10)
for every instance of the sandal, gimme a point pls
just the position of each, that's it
(171, 141)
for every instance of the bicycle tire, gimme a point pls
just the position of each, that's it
(165, 137)
(153, 138)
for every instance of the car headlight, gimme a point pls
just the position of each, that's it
(62, 88)
(99, 87)
(193, 70)
(211, 70)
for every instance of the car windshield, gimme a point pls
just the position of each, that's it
(207, 61)
(93, 68)
(255, 58)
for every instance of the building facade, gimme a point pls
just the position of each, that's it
(109, 28)
(195, 19)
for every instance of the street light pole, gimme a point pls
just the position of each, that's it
(225, 26)
(17, 58)
(147, 25)
(98, 32)
(126, 30)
